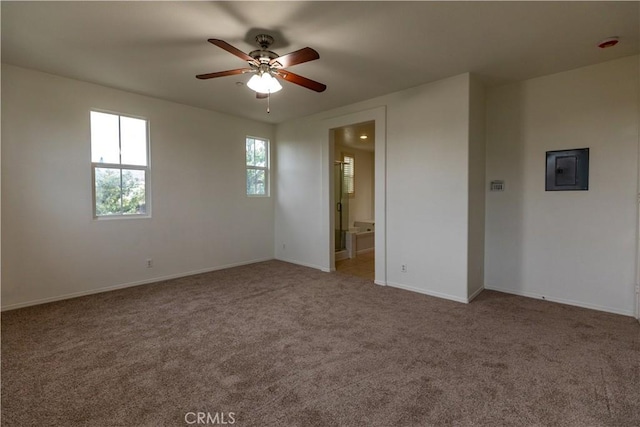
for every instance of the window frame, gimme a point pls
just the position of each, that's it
(122, 167)
(351, 194)
(266, 169)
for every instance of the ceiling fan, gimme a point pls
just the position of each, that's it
(268, 67)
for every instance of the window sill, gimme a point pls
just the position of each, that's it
(117, 217)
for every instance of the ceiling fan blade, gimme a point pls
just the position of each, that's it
(232, 50)
(261, 95)
(298, 57)
(299, 80)
(223, 73)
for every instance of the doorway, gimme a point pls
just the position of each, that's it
(354, 195)
(355, 206)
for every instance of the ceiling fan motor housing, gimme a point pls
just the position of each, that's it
(263, 55)
(264, 40)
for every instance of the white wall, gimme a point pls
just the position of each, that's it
(576, 247)
(427, 149)
(299, 211)
(477, 188)
(51, 245)
(427, 188)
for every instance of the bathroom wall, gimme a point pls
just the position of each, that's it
(361, 205)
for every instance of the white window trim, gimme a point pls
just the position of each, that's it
(267, 168)
(146, 169)
(351, 194)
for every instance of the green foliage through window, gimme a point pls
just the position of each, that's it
(120, 192)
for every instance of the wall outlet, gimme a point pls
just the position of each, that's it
(403, 268)
(149, 263)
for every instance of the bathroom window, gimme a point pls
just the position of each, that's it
(257, 162)
(119, 165)
(349, 174)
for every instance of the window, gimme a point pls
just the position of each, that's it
(257, 151)
(349, 174)
(120, 165)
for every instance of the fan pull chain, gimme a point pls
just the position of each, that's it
(268, 102)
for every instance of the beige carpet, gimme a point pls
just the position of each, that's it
(283, 345)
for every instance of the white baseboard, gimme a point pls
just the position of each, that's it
(434, 294)
(560, 300)
(475, 294)
(379, 282)
(304, 264)
(427, 292)
(126, 285)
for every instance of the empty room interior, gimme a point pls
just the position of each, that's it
(320, 213)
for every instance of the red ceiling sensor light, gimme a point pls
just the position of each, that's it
(608, 42)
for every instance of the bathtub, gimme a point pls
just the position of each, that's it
(361, 238)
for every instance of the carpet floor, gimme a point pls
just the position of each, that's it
(275, 344)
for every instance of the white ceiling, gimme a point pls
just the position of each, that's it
(366, 48)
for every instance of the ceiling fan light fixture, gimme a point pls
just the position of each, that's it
(264, 83)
